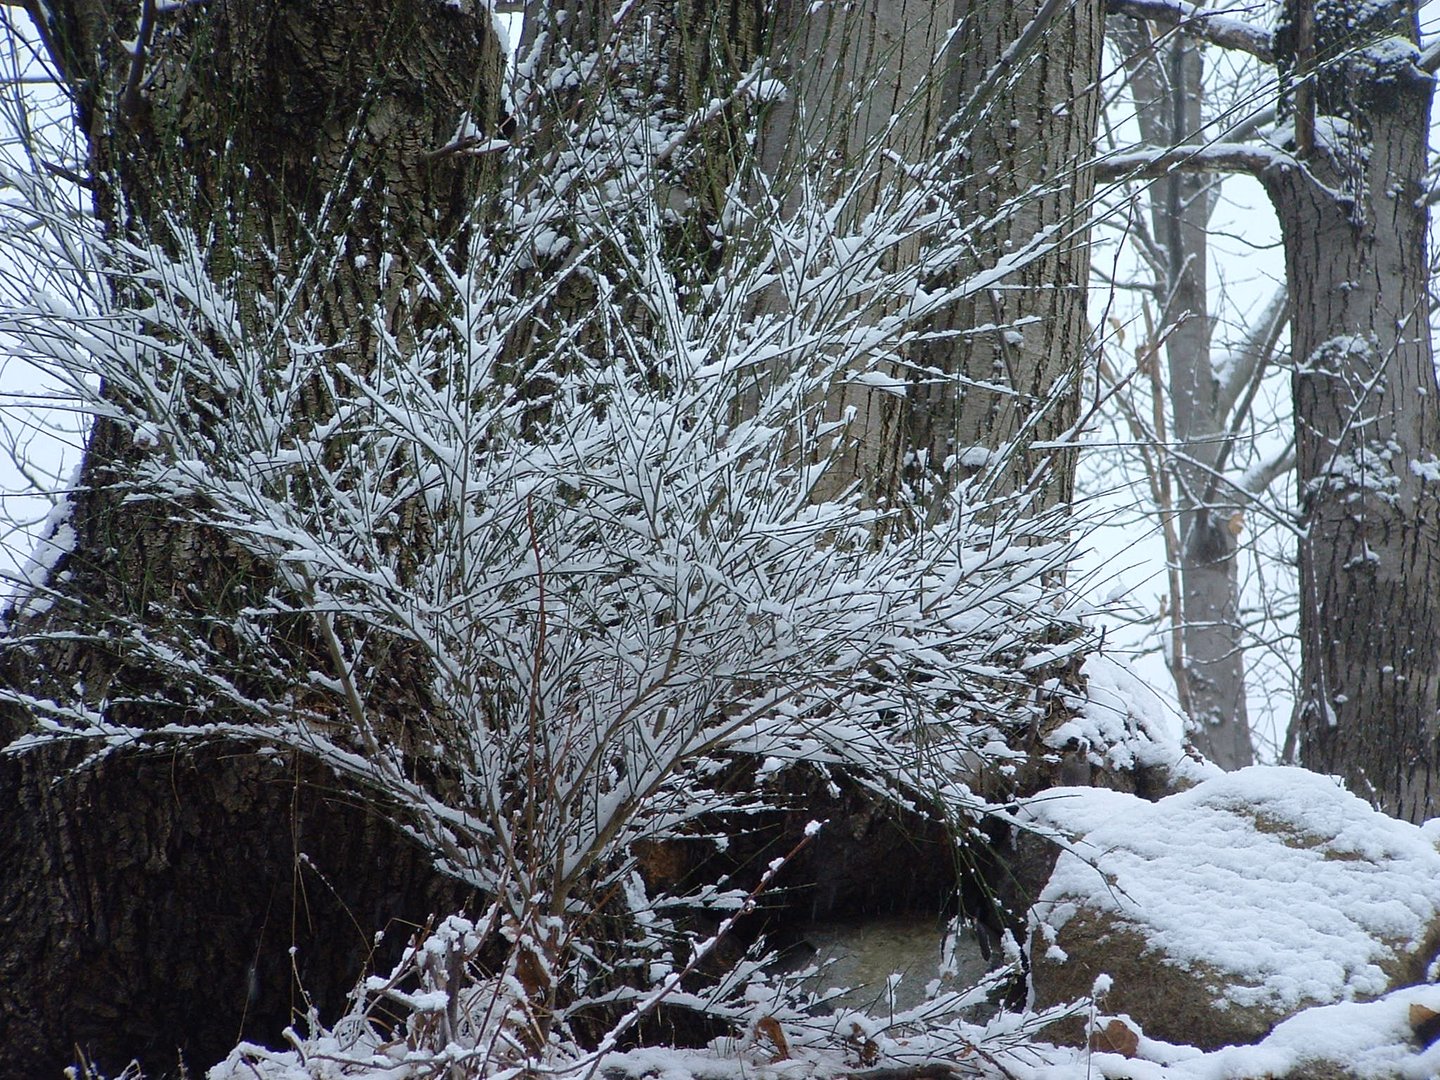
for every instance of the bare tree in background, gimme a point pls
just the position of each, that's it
(1190, 423)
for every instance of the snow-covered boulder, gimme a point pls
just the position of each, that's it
(1220, 911)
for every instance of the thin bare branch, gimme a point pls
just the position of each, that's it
(70, 175)
(1242, 366)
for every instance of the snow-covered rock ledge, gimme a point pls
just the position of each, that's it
(1221, 911)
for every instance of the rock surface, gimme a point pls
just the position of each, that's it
(864, 955)
(1221, 911)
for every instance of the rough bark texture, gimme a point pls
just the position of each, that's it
(1022, 341)
(1367, 425)
(861, 96)
(149, 906)
(150, 903)
(971, 391)
(1166, 80)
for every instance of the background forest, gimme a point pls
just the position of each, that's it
(570, 511)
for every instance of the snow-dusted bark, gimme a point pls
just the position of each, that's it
(1367, 424)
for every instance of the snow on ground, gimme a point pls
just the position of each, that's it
(1124, 724)
(1370, 1041)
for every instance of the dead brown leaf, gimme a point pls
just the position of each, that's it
(1425, 1022)
(864, 1049)
(767, 1029)
(1116, 1037)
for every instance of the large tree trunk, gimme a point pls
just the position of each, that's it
(1167, 83)
(1011, 374)
(1004, 371)
(150, 902)
(862, 99)
(150, 905)
(1367, 425)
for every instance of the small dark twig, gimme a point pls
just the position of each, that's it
(472, 145)
(130, 100)
(61, 172)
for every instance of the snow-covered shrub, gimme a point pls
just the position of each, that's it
(532, 569)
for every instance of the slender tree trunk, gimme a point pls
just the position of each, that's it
(1367, 426)
(1168, 87)
(150, 903)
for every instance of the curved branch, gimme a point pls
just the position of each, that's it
(1254, 353)
(1257, 479)
(1151, 164)
(1212, 26)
